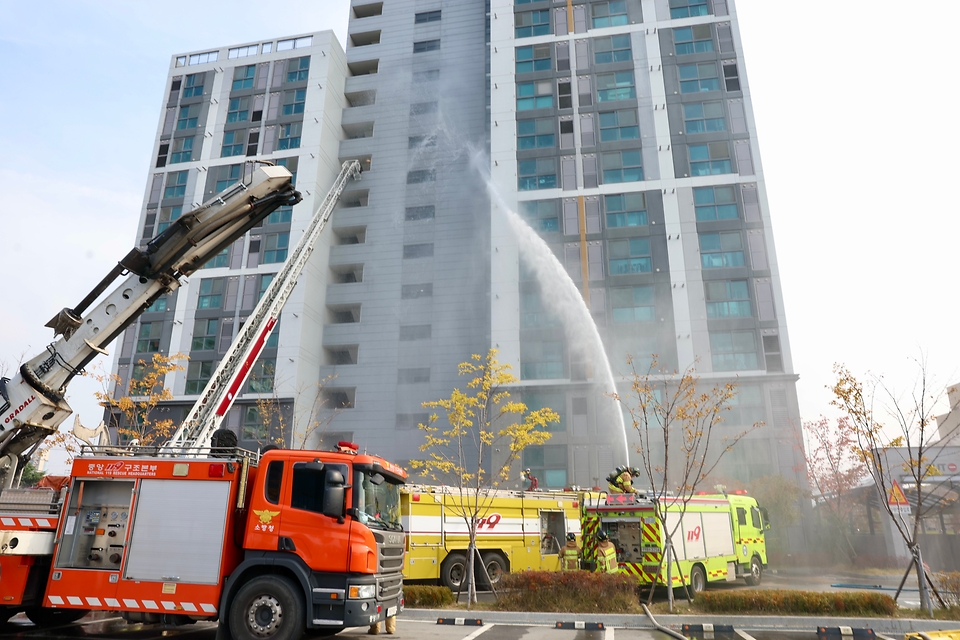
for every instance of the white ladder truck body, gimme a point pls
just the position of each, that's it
(193, 438)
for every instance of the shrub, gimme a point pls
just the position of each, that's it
(568, 591)
(797, 602)
(948, 584)
(426, 597)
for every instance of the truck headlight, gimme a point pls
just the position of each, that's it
(363, 591)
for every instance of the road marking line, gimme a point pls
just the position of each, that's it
(744, 634)
(479, 631)
(608, 633)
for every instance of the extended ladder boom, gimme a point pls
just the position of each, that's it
(193, 436)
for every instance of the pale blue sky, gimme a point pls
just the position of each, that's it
(854, 104)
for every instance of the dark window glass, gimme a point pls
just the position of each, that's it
(274, 481)
(308, 486)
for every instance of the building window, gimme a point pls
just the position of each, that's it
(535, 134)
(421, 108)
(204, 58)
(731, 78)
(176, 185)
(733, 350)
(265, 280)
(427, 16)
(608, 14)
(695, 78)
(282, 215)
(167, 216)
(533, 58)
(413, 291)
(182, 150)
(721, 250)
(205, 334)
(193, 85)
(621, 166)
(611, 49)
(537, 174)
(715, 203)
(565, 94)
(262, 375)
(211, 293)
(219, 261)
(275, 248)
(421, 142)
(414, 332)
(292, 43)
(253, 428)
(413, 376)
(228, 176)
(541, 214)
(289, 136)
(630, 255)
(425, 212)
(703, 117)
(619, 125)
(238, 110)
(426, 45)
(615, 86)
(187, 118)
(541, 360)
(293, 101)
(421, 175)
(298, 69)
(625, 210)
(426, 76)
(243, 77)
(532, 23)
(709, 159)
(418, 250)
(688, 8)
(198, 375)
(243, 52)
(693, 40)
(534, 95)
(160, 304)
(148, 339)
(291, 165)
(727, 299)
(232, 143)
(633, 304)
(548, 464)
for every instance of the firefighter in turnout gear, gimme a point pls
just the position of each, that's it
(570, 558)
(621, 480)
(606, 555)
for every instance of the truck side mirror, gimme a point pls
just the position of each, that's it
(766, 518)
(333, 495)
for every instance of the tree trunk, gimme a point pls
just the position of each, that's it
(925, 603)
(470, 568)
(669, 550)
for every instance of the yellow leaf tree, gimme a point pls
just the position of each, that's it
(475, 446)
(679, 443)
(904, 441)
(135, 414)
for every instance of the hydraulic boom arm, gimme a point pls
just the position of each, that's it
(194, 435)
(32, 403)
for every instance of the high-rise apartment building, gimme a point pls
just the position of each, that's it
(621, 131)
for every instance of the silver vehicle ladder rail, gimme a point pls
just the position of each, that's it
(32, 404)
(193, 438)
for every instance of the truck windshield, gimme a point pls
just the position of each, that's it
(378, 503)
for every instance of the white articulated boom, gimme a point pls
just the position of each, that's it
(32, 403)
(193, 438)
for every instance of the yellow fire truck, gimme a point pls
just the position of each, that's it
(519, 530)
(720, 537)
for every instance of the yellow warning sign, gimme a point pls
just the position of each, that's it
(896, 497)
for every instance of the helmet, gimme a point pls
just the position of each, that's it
(571, 537)
(621, 469)
(602, 536)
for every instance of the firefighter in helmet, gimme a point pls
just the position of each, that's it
(532, 479)
(570, 558)
(606, 555)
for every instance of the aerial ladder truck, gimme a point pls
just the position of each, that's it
(268, 545)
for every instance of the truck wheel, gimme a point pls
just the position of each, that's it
(698, 580)
(453, 570)
(267, 607)
(496, 566)
(45, 618)
(756, 572)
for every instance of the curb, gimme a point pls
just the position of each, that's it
(623, 621)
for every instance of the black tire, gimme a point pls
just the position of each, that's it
(756, 572)
(453, 571)
(267, 607)
(496, 566)
(46, 618)
(698, 580)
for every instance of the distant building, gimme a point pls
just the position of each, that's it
(948, 424)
